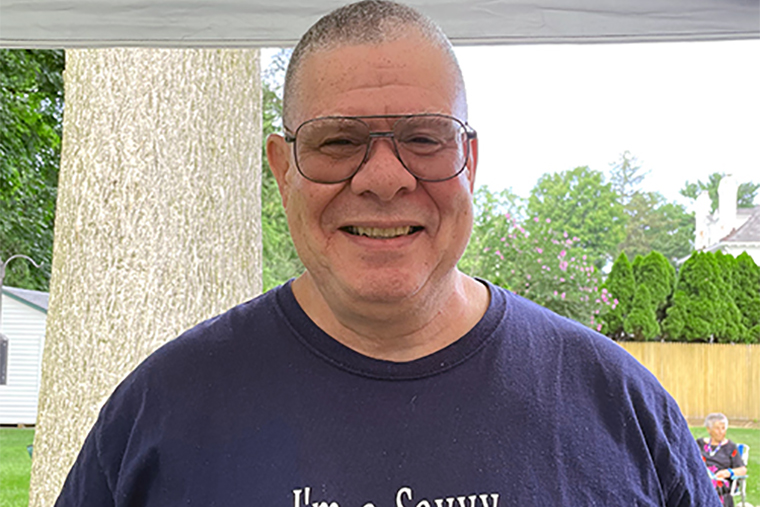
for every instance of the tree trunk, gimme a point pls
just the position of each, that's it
(157, 228)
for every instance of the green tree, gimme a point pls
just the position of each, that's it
(579, 202)
(747, 294)
(636, 265)
(654, 224)
(626, 177)
(671, 231)
(531, 257)
(641, 322)
(693, 313)
(31, 111)
(495, 213)
(617, 293)
(31, 108)
(279, 256)
(745, 196)
(703, 307)
(729, 327)
(659, 276)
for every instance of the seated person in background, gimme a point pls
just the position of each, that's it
(721, 456)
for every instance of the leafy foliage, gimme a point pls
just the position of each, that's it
(493, 211)
(654, 224)
(745, 195)
(626, 177)
(620, 288)
(703, 307)
(280, 262)
(671, 230)
(637, 296)
(531, 257)
(582, 204)
(693, 311)
(659, 276)
(31, 111)
(747, 294)
(729, 327)
(641, 322)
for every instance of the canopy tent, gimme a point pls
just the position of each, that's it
(262, 23)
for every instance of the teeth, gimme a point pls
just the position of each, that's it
(376, 232)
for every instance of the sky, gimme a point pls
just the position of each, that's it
(683, 109)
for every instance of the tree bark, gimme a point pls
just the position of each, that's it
(157, 228)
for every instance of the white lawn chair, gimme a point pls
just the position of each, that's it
(739, 482)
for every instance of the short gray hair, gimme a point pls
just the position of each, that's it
(365, 22)
(716, 417)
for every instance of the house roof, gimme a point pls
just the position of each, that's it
(33, 298)
(748, 232)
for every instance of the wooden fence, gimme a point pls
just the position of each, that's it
(706, 378)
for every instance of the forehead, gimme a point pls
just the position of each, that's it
(408, 75)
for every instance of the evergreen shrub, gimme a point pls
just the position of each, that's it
(618, 290)
(641, 322)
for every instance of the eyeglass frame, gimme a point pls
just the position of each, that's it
(293, 137)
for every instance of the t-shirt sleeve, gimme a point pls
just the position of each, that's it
(93, 480)
(690, 484)
(86, 484)
(684, 479)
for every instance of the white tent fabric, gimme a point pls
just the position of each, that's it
(262, 23)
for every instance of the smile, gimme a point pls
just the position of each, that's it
(382, 233)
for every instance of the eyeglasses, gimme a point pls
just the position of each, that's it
(332, 149)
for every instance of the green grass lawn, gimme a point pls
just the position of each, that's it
(750, 437)
(15, 466)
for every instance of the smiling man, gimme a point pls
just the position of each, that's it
(380, 221)
(383, 376)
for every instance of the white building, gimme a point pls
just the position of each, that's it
(729, 229)
(24, 313)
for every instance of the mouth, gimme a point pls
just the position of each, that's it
(382, 232)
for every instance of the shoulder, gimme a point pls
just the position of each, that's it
(531, 325)
(595, 380)
(206, 353)
(732, 448)
(200, 362)
(587, 366)
(241, 326)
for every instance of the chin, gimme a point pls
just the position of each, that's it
(384, 287)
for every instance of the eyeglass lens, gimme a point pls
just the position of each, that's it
(431, 147)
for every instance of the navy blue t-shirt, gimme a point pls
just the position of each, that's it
(259, 407)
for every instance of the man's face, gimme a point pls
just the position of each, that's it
(382, 236)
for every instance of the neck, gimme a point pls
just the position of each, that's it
(398, 330)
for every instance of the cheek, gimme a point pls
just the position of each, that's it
(460, 207)
(456, 215)
(308, 207)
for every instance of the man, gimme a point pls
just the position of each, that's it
(383, 376)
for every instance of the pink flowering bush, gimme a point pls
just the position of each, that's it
(542, 264)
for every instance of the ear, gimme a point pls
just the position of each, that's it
(472, 163)
(278, 154)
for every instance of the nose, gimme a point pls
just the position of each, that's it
(383, 174)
